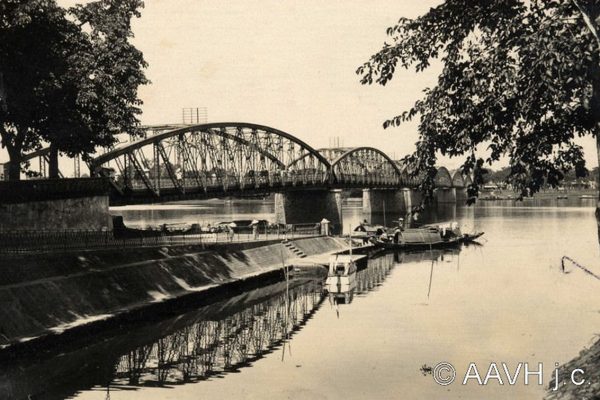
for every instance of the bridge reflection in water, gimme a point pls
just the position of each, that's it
(210, 341)
(211, 348)
(214, 347)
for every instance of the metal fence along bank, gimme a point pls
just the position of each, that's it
(41, 241)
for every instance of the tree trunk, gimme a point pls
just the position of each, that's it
(598, 156)
(14, 164)
(3, 106)
(598, 184)
(53, 163)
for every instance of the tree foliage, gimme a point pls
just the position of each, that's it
(519, 79)
(67, 77)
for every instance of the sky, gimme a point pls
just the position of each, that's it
(285, 64)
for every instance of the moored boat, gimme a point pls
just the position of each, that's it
(366, 231)
(425, 237)
(342, 272)
(341, 278)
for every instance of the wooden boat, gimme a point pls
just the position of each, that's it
(425, 238)
(342, 272)
(341, 278)
(366, 231)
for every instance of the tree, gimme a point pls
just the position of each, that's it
(520, 79)
(67, 77)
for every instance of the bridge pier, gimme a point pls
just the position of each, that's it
(445, 195)
(393, 202)
(412, 198)
(461, 195)
(302, 206)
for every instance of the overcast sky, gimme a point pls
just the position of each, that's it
(286, 64)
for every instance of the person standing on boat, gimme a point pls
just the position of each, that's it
(255, 229)
(230, 232)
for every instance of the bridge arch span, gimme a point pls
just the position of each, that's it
(442, 178)
(216, 157)
(458, 181)
(366, 166)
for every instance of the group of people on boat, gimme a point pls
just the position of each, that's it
(401, 236)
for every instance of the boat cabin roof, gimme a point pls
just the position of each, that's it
(345, 258)
(441, 225)
(368, 228)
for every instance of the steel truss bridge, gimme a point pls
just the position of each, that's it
(217, 159)
(177, 162)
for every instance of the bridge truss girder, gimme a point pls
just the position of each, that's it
(219, 158)
(366, 167)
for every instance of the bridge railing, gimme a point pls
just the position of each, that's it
(213, 183)
(15, 242)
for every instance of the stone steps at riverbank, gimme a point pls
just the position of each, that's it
(297, 252)
(48, 294)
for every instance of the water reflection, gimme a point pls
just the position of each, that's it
(372, 277)
(364, 280)
(505, 301)
(215, 347)
(209, 342)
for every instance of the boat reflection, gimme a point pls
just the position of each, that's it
(210, 341)
(436, 255)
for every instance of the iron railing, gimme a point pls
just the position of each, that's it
(14, 242)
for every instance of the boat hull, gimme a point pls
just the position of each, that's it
(417, 246)
(340, 283)
(452, 242)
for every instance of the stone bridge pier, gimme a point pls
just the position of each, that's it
(451, 186)
(307, 206)
(451, 195)
(398, 201)
(445, 195)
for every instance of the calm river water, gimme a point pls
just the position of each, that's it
(505, 301)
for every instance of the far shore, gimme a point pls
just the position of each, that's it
(507, 194)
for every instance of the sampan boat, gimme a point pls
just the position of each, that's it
(425, 237)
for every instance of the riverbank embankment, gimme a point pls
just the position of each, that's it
(48, 294)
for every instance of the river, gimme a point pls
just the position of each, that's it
(505, 301)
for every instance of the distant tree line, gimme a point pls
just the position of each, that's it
(502, 176)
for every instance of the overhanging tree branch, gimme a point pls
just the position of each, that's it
(589, 20)
(524, 86)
